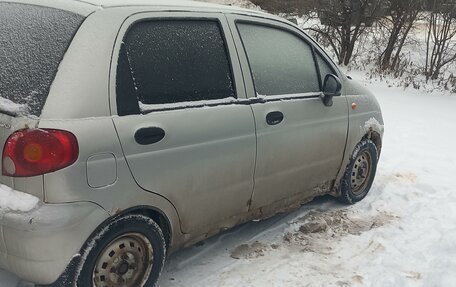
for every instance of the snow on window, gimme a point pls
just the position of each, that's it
(174, 61)
(33, 41)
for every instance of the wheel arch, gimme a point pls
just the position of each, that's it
(74, 266)
(347, 191)
(376, 138)
(153, 213)
(372, 135)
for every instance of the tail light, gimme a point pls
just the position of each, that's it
(33, 152)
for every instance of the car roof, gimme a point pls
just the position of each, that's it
(162, 3)
(85, 7)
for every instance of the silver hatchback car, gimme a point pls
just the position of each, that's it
(137, 127)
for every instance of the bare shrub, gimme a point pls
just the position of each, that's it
(344, 22)
(402, 15)
(441, 37)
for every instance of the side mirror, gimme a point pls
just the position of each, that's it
(332, 87)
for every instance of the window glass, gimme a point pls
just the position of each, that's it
(324, 67)
(33, 41)
(173, 61)
(281, 62)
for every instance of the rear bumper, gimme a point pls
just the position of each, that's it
(37, 246)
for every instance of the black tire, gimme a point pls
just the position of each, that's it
(123, 229)
(351, 190)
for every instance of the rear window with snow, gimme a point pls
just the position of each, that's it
(172, 61)
(33, 41)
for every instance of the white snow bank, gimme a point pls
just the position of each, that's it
(16, 201)
(8, 106)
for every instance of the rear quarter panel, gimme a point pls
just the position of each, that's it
(100, 153)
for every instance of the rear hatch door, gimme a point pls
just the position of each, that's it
(33, 42)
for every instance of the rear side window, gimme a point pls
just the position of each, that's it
(33, 41)
(281, 62)
(172, 61)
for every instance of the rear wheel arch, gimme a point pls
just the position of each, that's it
(71, 273)
(153, 213)
(118, 246)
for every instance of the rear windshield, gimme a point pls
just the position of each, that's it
(33, 41)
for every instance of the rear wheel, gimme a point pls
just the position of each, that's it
(360, 173)
(129, 252)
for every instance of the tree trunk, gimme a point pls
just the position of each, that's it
(388, 53)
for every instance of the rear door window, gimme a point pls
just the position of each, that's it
(281, 62)
(33, 41)
(172, 62)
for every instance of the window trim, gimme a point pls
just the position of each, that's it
(230, 50)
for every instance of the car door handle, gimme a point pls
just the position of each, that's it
(274, 118)
(147, 136)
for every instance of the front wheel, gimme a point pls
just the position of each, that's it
(360, 173)
(129, 252)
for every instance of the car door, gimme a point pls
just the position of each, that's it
(185, 129)
(300, 141)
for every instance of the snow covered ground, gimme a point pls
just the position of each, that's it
(403, 234)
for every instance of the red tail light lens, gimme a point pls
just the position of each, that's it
(38, 151)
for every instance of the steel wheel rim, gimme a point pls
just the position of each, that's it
(126, 261)
(361, 172)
